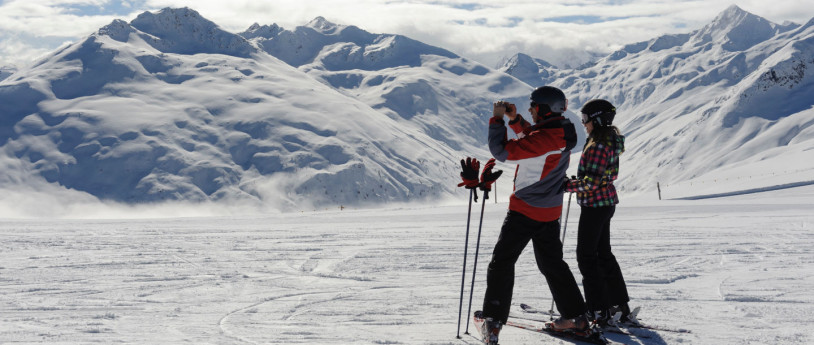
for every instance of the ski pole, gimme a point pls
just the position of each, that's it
(564, 229)
(477, 249)
(463, 274)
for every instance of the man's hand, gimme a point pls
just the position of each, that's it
(511, 111)
(504, 108)
(498, 109)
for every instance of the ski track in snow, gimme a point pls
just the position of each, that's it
(732, 270)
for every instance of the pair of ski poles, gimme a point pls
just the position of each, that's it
(475, 268)
(477, 249)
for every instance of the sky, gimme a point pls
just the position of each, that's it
(563, 32)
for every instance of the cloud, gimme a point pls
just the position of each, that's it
(559, 31)
(52, 202)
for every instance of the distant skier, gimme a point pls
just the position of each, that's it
(605, 289)
(542, 153)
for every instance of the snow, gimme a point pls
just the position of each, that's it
(130, 114)
(732, 270)
(171, 107)
(166, 181)
(695, 106)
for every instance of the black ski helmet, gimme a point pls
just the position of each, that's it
(549, 97)
(600, 111)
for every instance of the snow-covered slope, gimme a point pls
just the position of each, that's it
(728, 97)
(170, 107)
(422, 87)
(530, 70)
(732, 271)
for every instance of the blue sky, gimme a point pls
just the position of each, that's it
(560, 31)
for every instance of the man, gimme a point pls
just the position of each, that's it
(542, 152)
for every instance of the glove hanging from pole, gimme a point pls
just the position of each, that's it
(487, 178)
(469, 175)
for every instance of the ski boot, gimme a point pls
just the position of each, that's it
(489, 328)
(574, 325)
(579, 328)
(626, 317)
(603, 318)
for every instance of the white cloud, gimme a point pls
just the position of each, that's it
(40, 20)
(481, 30)
(20, 50)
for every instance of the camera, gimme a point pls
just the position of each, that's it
(508, 106)
(502, 107)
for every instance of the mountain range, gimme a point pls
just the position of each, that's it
(171, 107)
(730, 100)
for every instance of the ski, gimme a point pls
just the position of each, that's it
(529, 309)
(636, 324)
(592, 336)
(604, 329)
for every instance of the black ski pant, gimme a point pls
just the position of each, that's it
(601, 276)
(516, 233)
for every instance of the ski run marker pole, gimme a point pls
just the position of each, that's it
(463, 274)
(564, 229)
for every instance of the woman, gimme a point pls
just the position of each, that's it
(605, 289)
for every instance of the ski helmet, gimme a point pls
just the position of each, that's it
(550, 100)
(600, 111)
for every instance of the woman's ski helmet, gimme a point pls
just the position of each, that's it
(600, 111)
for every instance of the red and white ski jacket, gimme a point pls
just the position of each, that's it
(542, 152)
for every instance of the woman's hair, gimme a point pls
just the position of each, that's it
(602, 134)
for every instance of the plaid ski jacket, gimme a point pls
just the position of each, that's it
(598, 168)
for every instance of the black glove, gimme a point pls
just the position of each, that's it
(564, 184)
(487, 177)
(469, 173)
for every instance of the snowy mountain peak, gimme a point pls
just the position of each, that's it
(325, 45)
(737, 30)
(263, 31)
(528, 69)
(184, 31)
(520, 59)
(323, 25)
(808, 24)
(118, 30)
(732, 12)
(171, 18)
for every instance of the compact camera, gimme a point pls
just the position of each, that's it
(508, 106)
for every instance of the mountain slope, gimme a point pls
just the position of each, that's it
(422, 87)
(721, 97)
(528, 69)
(170, 107)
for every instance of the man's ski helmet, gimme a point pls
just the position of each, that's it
(600, 111)
(551, 98)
